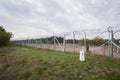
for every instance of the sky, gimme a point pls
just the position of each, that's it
(29, 18)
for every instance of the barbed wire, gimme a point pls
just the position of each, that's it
(115, 29)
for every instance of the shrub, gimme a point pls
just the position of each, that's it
(4, 37)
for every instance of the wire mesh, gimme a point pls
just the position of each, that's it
(70, 41)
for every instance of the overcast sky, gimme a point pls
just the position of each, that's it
(42, 17)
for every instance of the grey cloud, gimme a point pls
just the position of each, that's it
(54, 15)
(103, 9)
(20, 8)
(52, 7)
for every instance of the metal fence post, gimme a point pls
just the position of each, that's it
(112, 38)
(54, 42)
(41, 42)
(64, 43)
(85, 44)
(74, 42)
(46, 42)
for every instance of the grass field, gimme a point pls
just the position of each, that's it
(36, 64)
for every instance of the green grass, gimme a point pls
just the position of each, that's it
(38, 64)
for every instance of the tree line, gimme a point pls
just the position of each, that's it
(97, 41)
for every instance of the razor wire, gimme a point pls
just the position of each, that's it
(33, 41)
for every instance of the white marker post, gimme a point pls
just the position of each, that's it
(82, 56)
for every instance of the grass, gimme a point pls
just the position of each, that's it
(37, 64)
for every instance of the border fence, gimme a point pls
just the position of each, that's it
(70, 41)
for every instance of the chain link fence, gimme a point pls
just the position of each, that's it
(76, 41)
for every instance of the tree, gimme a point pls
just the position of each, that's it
(4, 36)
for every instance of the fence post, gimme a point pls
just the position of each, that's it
(54, 43)
(74, 42)
(112, 39)
(41, 42)
(46, 42)
(111, 34)
(64, 43)
(85, 44)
